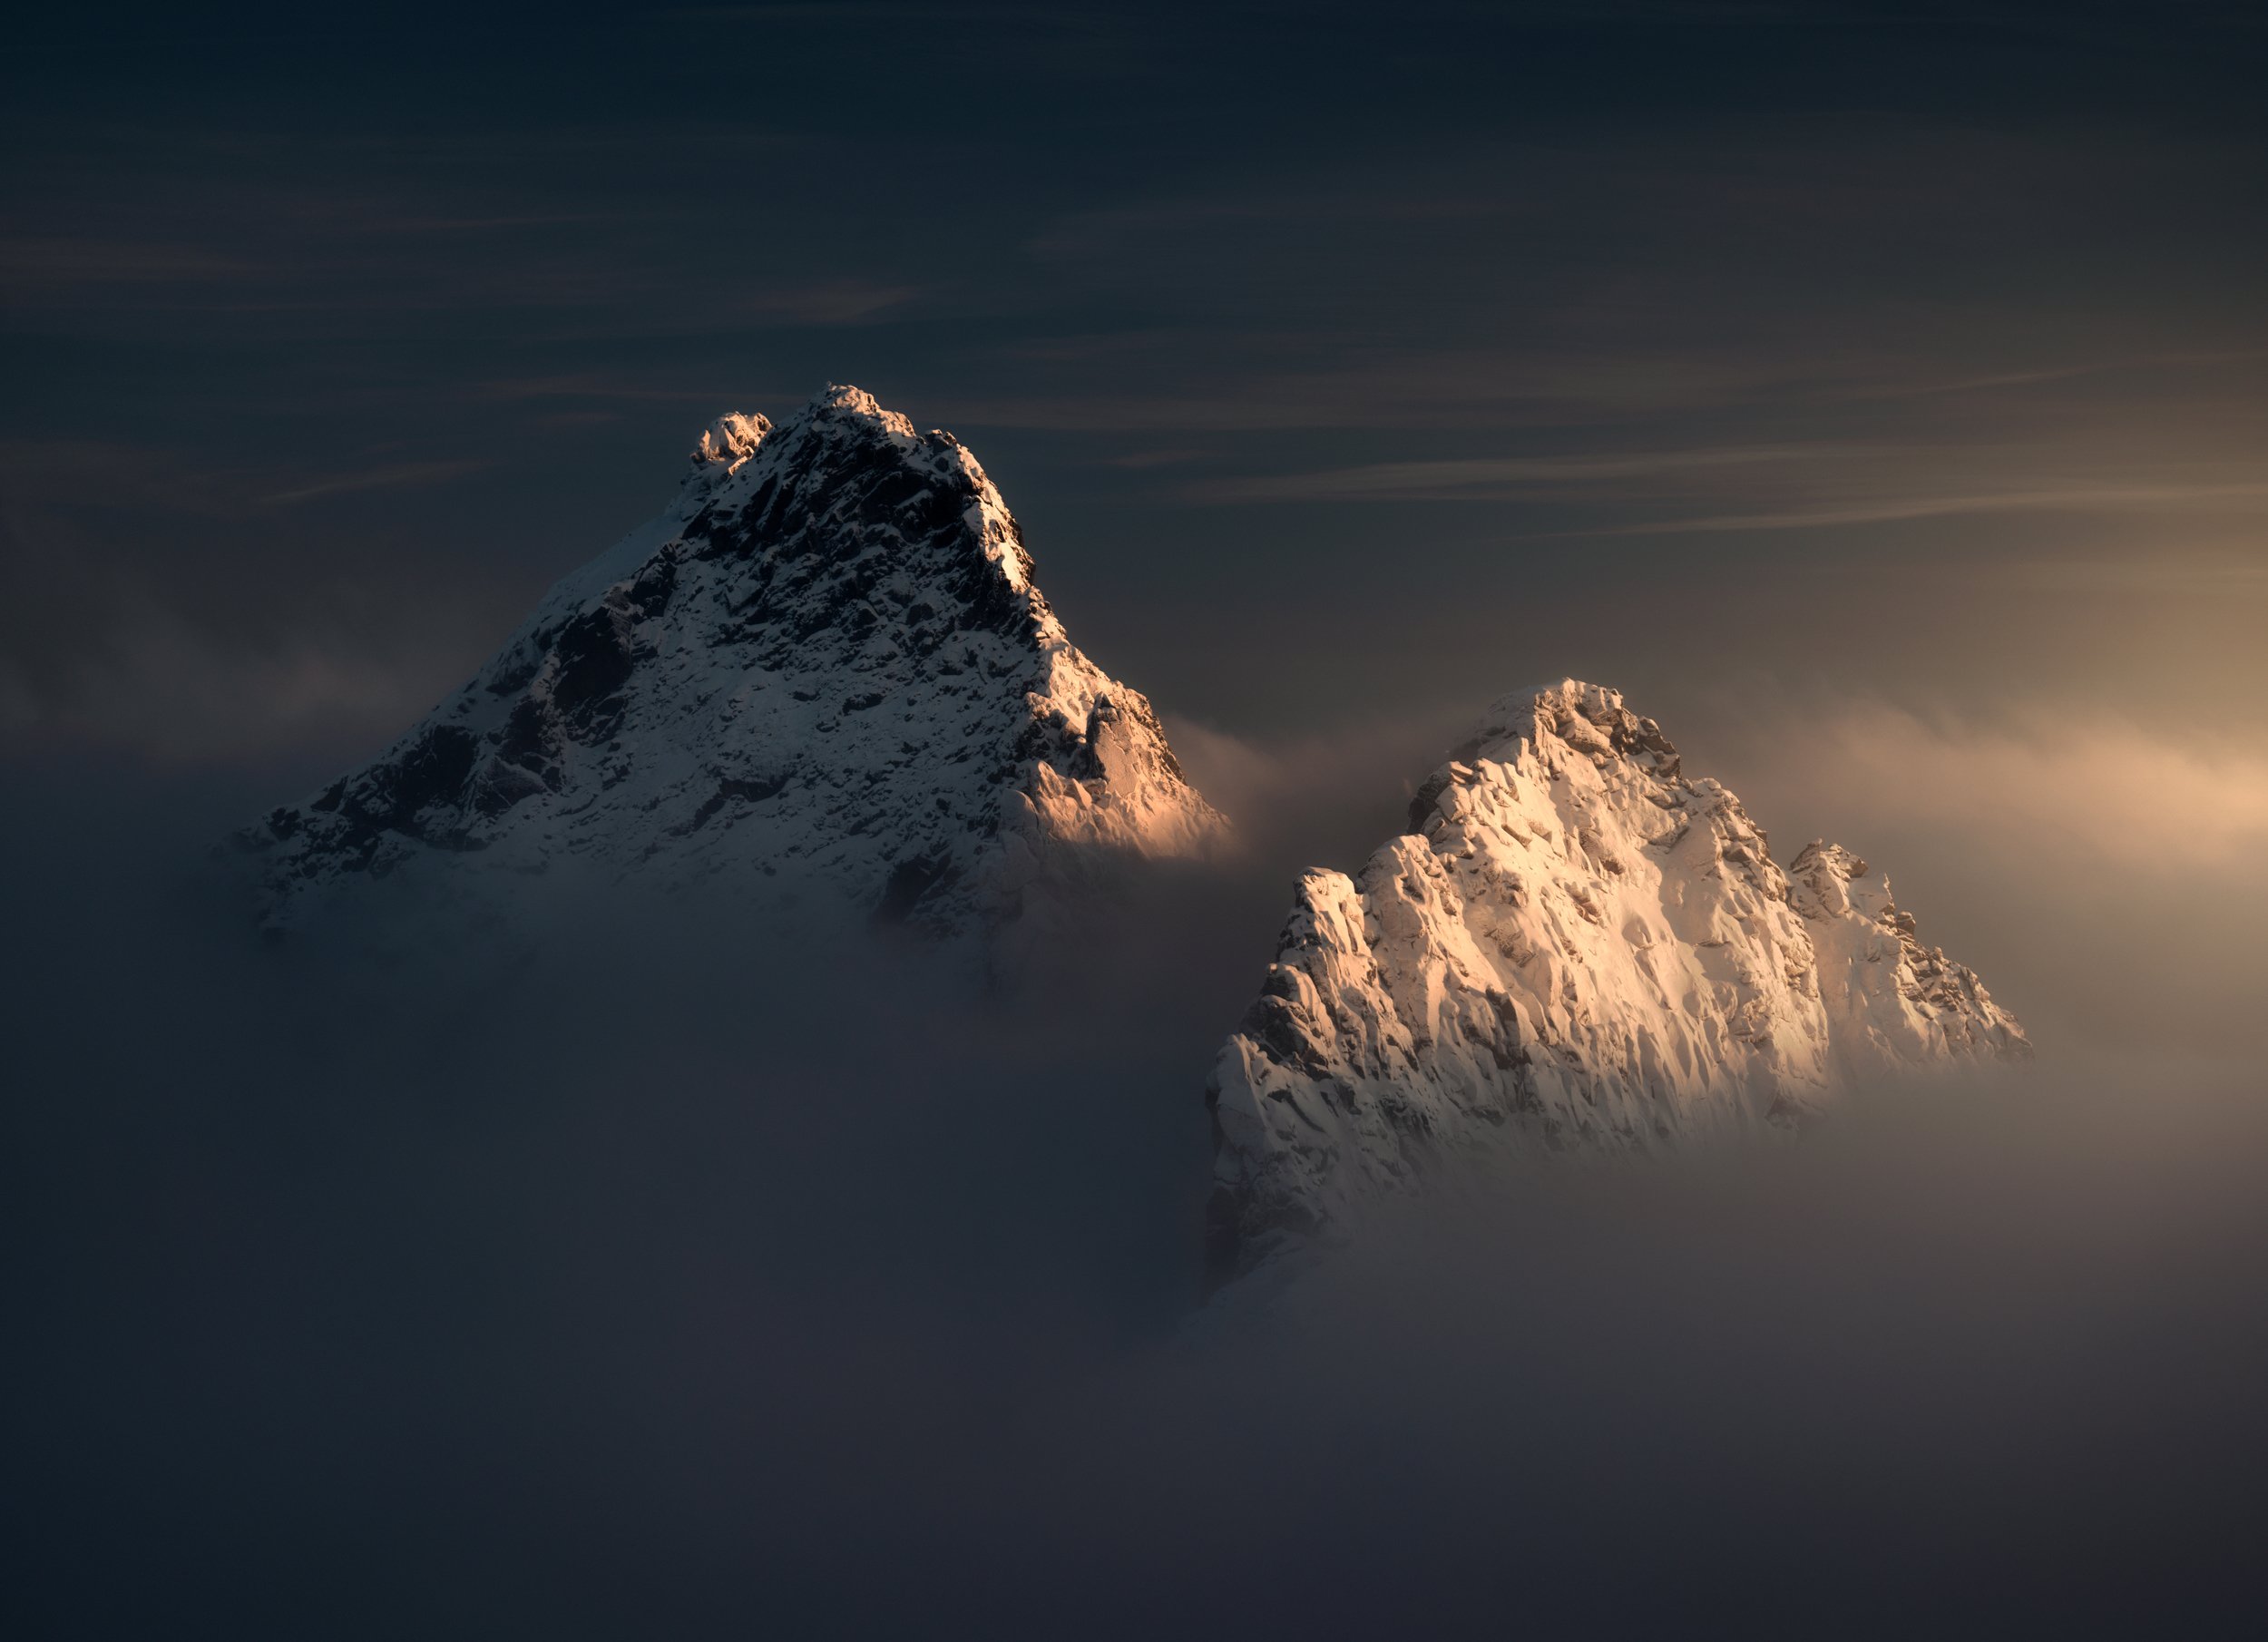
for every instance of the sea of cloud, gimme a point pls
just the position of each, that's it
(682, 1274)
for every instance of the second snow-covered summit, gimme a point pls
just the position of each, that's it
(1576, 944)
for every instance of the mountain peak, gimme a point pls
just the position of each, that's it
(826, 662)
(1574, 946)
(835, 410)
(730, 439)
(1541, 727)
(1563, 716)
(839, 402)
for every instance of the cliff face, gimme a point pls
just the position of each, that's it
(825, 664)
(1576, 944)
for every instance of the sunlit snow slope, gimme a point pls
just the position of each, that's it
(1576, 944)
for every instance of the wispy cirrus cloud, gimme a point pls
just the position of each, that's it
(1483, 478)
(2248, 498)
(37, 263)
(1795, 485)
(80, 473)
(590, 385)
(393, 476)
(827, 301)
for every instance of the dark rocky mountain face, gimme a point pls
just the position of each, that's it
(826, 665)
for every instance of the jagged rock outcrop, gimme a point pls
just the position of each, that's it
(825, 663)
(1891, 1003)
(1576, 944)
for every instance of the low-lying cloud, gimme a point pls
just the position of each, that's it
(674, 1277)
(2171, 789)
(169, 693)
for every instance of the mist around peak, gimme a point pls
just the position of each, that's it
(677, 1280)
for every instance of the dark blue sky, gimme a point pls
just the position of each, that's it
(339, 333)
(1781, 365)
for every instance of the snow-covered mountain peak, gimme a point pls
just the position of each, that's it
(826, 660)
(854, 409)
(729, 440)
(1576, 945)
(1571, 716)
